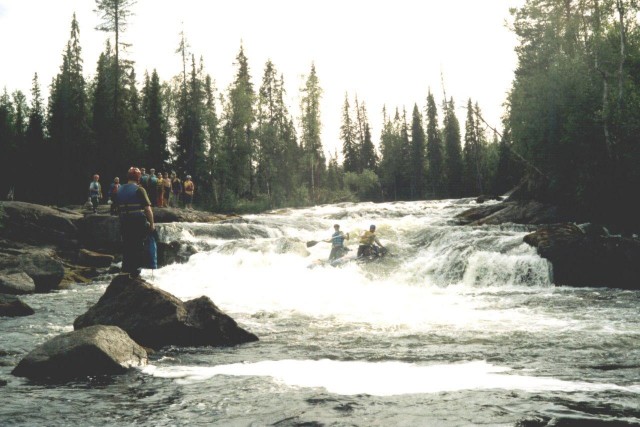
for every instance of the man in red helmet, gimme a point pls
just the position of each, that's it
(136, 221)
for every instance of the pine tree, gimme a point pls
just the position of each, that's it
(435, 161)
(7, 143)
(417, 156)
(68, 126)
(190, 143)
(155, 138)
(237, 151)
(115, 16)
(315, 163)
(347, 136)
(453, 166)
(367, 152)
(37, 151)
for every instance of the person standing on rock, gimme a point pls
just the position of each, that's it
(189, 188)
(113, 194)
(152, 187)
(136, 222)
(95, 192)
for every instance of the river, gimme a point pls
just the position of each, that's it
(457, 326)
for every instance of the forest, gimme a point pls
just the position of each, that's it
(569, 134)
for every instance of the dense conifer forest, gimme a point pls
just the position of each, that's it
(569, 134)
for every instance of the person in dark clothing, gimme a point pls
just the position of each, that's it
(152, 187)
(113, 194)
(136, 222)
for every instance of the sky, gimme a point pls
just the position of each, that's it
(386, 52)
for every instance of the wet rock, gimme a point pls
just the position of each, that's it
(174, 252)
(100, 233)
(18, 283)
(96, 350)
(163, 215)
(89, 258)
(40, 264)
(588, 259)
(11, 306)
(154, 318)
(36, 224)
(530, 212)
(3, 383)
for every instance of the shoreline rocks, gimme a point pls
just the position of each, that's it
(580, 255)
(12, 306)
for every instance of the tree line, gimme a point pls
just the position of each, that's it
(243, 147)
(570, 128)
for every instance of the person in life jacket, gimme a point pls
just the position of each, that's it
(136, 222)
(189, 189)
(160, 191)
(337, 243)
(176, 190)
(95, 192)
(152, 187)
(144, 179)
(113, 194)
(367, 241)
(166, 189)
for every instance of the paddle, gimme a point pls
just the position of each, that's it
(312, 243)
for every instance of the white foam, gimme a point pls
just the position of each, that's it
(384, 378)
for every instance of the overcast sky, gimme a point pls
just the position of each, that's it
(385, 52)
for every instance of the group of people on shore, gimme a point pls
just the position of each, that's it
(163, 190)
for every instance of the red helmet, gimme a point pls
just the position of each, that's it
(134, 174)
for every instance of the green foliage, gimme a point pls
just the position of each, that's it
(365, 185)
(573, 105)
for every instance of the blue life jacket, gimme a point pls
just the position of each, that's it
(129, 200)
(337, 239)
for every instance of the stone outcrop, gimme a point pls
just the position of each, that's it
(155, 318)
(40, 265)
(97, 350)
(17, 283)
(36, 224)
(588, 256)
(530, 212)
(11, 306)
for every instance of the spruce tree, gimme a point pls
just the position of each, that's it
(453, 166)
(347, 136)
(37, 151)
(417, 156)
(314, 163)
(435, 157)
(68, 126)
(236, 155)
(7, 143)
(155, 138)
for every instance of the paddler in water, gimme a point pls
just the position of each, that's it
(337, 243)
(367, 241)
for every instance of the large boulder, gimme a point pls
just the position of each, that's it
(97, 350)
(41, 265)
(100, 232)
(588, 256)
(36, 224)
(17, 283)
(155, 318)
(529, 212)
(11, 306)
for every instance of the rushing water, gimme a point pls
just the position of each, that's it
(457, 326)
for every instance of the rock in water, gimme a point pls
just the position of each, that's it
(155, 318)
(17, 283)
(97, 350)
(11, 306)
